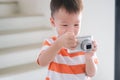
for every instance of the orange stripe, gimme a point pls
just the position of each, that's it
(54, 38)
(47, 78)
(76, 54)
(64, 52)
(46, 43)
(68, 69)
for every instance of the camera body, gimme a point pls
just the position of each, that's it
(84, 44)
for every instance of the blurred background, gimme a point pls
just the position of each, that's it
(24, 24)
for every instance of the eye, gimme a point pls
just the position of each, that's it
(64, 25)
(76, 25)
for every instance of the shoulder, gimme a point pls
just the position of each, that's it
(47, 43)
(50, 40)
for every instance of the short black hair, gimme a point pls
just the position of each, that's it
(71, 6)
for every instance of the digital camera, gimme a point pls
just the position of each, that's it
(84, 44)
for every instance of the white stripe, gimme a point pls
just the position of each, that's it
(50, 41)
(44, 48)
(69, 60)
(58, 76)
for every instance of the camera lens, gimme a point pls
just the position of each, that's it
(88, 46)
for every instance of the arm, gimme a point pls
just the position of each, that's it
(49, 54)
(91, 67)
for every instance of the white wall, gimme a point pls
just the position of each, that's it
(98, 20)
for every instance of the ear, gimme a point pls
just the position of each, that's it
(52, 21)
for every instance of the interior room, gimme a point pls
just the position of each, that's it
(24, 24)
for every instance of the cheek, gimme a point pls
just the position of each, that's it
(60, 31)
(76, 31)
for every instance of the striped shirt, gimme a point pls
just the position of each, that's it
(66, 66)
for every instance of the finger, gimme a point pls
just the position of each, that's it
(95, 45)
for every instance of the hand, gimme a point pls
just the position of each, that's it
(91, 53)
(68, 40)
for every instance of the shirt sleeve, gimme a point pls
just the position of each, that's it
(45, 46)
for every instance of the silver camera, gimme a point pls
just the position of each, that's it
(84, 44)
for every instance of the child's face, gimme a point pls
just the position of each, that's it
(65, 22)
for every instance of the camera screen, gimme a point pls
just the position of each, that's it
(88, 47)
